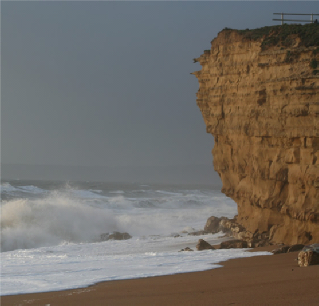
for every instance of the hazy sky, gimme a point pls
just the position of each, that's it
(108, 83)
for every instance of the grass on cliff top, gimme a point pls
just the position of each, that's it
(280, 35)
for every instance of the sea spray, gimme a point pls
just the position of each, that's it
(31, 223)
(36, 216)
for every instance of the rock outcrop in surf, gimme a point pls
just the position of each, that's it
(259, 97)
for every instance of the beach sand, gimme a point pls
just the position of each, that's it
(260, 280)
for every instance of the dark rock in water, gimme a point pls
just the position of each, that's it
(309, 255)
(187, 249)
(115, 236)
(198, 233)
(281, 250)
(296, 248)
(203, 245)
(212, 224)
(120, 236)
(233, 244)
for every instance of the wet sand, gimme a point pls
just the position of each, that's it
(260, 280)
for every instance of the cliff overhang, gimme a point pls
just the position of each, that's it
(259, 97)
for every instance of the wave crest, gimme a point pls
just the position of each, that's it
(29, 223)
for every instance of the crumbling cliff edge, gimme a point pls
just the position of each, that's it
(259, 97)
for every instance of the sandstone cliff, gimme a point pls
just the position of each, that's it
(259, 97)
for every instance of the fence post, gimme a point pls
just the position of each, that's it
(311, 18)
(282, 18)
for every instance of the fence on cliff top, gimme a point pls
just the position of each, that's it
(282, 19)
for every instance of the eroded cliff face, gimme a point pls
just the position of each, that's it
(262, 107)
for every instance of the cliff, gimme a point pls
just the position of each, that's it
(259, 97)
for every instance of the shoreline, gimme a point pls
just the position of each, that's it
(258, 280)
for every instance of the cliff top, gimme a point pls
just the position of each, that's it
(281, 35)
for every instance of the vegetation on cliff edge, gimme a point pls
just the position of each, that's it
(281, 35)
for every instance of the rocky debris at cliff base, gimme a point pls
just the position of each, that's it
(212, 225)
(281, 250)
(204, 245)
(232, 229)
(296, 248)
(234, 244)
(309, 255)
(115, 236)
(288, 249)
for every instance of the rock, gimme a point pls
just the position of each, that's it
(226, 225)
(212, 225)
(288, 249)
(281, 250)
(203, 245)
(120, 236)
(233, 244)
(187, 249)
(296, 248)
(263, 243)
(309, 255)
(115, 236)
(264, 115)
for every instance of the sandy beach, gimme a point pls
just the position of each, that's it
(260, 280)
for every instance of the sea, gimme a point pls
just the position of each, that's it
(51, 232)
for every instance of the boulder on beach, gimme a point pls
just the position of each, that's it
(309, 255)
(281, 250)
(296, 248)
(204, 245)
(288, 249)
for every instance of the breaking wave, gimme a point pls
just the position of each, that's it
(30, 223)
(33, 217)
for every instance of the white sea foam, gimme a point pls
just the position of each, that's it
(44, 269)
(7, 188)
(31, 189)
(86, 194)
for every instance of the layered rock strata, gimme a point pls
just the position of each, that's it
(262, 107)
(309, 255)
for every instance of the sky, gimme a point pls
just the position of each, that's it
(108, 84)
